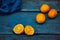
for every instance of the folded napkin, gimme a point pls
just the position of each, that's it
(9, 6)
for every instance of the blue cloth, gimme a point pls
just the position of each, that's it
(8, 6)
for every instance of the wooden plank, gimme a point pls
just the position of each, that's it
(24, 37)
(33, 5)
(7, 22)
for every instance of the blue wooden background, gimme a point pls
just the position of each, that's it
(50, 30)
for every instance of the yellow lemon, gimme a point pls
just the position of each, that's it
(52, 13)
(45, 8)
(40, 18)
(29, 30)
(18, 29)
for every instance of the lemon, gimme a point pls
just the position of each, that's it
(40, 18)
(45, 8)
(18, 29)
(29, 30)
(52, 13)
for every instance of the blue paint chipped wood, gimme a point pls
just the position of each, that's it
(27, 17)
(35, 37)
(33, 5)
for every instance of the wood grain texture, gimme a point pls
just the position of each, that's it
(50, 30)
(7, 23)
(24, 37)
(34, 5)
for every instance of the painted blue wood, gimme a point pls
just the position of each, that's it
(34, 5)
(27, 17)
(7, 22)
(24, 37)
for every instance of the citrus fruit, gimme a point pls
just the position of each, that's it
(52, 13)
(45, 8)
(40, 18)
(29, 30)
(18, 29)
